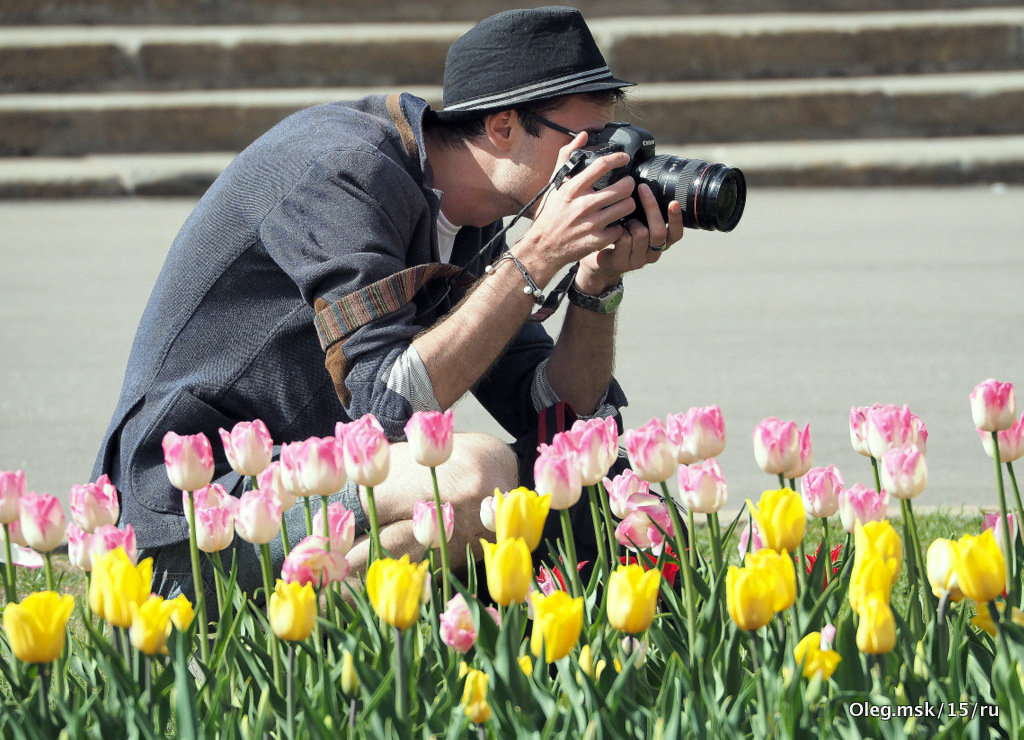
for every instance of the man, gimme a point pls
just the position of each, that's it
(338, 197)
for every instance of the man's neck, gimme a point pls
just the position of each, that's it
(468, 197)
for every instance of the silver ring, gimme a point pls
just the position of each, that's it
(658, 248)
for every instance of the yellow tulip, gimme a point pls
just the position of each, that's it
(349, 679)
(632, 597)
(941, 567)
(183, 613)
(509, 567)
(151, 624)
(292, 610)
(876, 632)
(116, 584)
(749, 597)
(526, 664)
(35, 627)
(870, 578)
(980, 566)
(781, 519)
(880, 539)
(780, 566)
(520, 513)
(394, 588)
(557, 623)
(815, 660)
(474, 697)
(586, 662)
(983, 618)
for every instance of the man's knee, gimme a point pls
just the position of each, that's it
(484, 463)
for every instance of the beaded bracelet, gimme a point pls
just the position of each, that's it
(530, 288)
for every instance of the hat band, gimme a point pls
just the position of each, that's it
(533, 92)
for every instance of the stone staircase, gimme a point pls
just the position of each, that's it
(136, 97)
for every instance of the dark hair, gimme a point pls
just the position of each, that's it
(455, 133)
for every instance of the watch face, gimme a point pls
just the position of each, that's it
(613, 302)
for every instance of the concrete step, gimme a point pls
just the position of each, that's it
(671, 48)
(190, 12)
(968, 104)
(963, 160)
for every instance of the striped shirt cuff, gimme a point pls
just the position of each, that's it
(543, 395)
(409, 379)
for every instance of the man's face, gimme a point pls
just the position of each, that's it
(537, 157)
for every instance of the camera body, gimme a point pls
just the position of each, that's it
(711, 195)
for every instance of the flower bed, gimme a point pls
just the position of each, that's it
(653, 638)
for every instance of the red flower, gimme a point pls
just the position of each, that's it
(668, 570)
(834, 555)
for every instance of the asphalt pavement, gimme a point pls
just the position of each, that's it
(820, 300)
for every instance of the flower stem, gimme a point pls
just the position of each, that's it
(762, 706)
(609, 525)
(693, 542)
(716, 541)
(603, 556)
(371, 512)
(401, 699)
(684, 565)
(10, 584)
(309, 515)
(327, 523)
(290, 689)
(272, 642)
(446, 563)
(284, 539)
(572, 576)
(874, 469)
(782, 481)
(197, 580)
(828, 549)
(1007, 549)
(49, 570)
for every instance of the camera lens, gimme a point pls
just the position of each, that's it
(712, 195)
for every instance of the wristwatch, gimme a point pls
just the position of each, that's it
(605, 303)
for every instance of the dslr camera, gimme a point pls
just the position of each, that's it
(712, 195)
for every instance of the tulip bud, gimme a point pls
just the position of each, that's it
(749, 597)
(151, 625)
(941, 568)
(431, 436)
(903, 471)
(311, 561)
(189, 460)
(487, 513)
(597, 444)
(1011, 442)
(698, 434)
(36, 627)
(620, 488)
(474, 697)
(367, 451)
(780, 518)
(457, 629)
(108, 538)
(215, 528)
(94, 504)
(816, 660)
(776, 567)
(248, 447)
(820, 488)
(341, 526)
(182, 612)
(980, 566)
(270, 480)
(509, 568)
(702, 487)
(876, 632)
(42, 521)
(651, 453)
(394, 588)
(258, 516)
(12, 488)
(993, 405)
(521, 513)
(424, 523)
(632, 598)
(313, 467)
(776, 446)
(116, 584)
(292, 610)
(349, 678)
(558, 621)
(557, 474)
(859, 503)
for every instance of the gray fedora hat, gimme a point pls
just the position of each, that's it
(519, 56)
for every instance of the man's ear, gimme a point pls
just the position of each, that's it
(501, 127)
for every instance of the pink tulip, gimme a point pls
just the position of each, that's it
(1011, 442)
(995, 522)
(556, 472)
(651, 453)
(698, 433)
(859, 503)
(621, 488)
(42, 521)
(806, 457)
(248, 447)
(311, 561)
(776, 446)
(993, 405)
(887, 427)
(189, 460)
(424, 523)
(903, 471)
(94, 504)
(702, 487)
(12, 488)
(79, 547)
(258, 516)
(17, 538)
(215, 528)
(457, 629)
(213, 496)
(755, 542)
(313, 467)
(858, 428)
(431, 436)
(341, 526)
(270, 480)
(597, 442)
(487, 513)
(367, 451)
(108, 538)
(21, 554)
(820, 488)
(642, 528)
